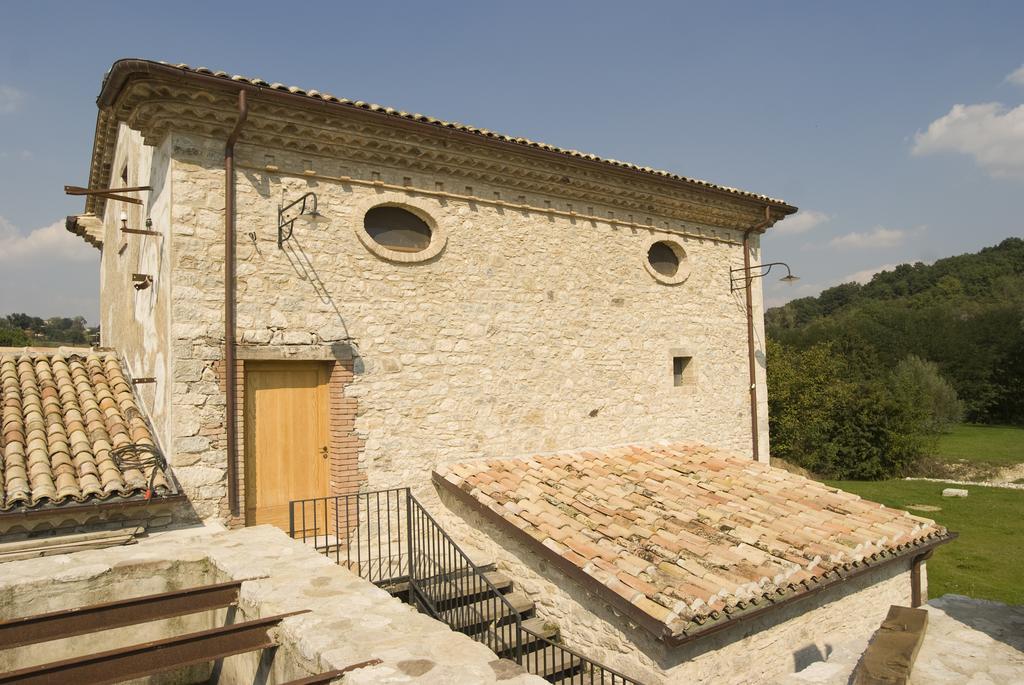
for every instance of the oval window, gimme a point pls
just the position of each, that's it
(397, 229)
(663, 258)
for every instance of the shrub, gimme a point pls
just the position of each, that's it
(829, 413)
(921, 385)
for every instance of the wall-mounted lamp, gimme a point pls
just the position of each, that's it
(137, 231)
(740, 276)
(307, 213)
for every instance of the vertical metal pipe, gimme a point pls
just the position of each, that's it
(230, 374)
(751, 358)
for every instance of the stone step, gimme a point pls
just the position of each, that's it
(460, 589)
(585, 676)
(504, 644)
(487, 611)
(552, 662)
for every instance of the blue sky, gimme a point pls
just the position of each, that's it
(897, 128)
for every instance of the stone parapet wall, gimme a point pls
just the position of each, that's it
(349, 619)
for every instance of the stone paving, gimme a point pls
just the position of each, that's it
(968, 642)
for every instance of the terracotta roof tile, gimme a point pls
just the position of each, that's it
(63, 415)
(685, 533)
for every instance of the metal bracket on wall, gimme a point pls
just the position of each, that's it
(141, 281)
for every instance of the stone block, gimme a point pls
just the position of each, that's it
(954, 492)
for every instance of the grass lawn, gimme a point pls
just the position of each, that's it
(987, 561)
(1001, 445)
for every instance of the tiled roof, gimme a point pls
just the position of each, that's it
(687, 535)
(421, 118)
(63, 415)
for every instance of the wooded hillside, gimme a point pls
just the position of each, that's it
(964, 313)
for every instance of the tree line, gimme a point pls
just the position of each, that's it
(862, 378)
(23, 330)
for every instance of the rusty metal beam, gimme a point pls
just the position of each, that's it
(82, 620)
(149, 658)
(331, 675)
(78, 190)
(108, 193)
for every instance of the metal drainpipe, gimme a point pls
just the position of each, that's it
(230, 373)
(751, 359)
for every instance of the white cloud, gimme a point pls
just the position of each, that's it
(879, 236)
(865, 275)
(801, 222)
(10, 99)
(989, 132)
(53, 242)
(1016, 77)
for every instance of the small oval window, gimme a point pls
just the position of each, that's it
(397, 229)
(663, 258)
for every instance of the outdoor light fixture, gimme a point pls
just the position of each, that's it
(307, 213)
(124, 220)
(740, 276)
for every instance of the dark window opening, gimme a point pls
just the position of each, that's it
(124, 175)
(397, 229)
(663, 259)
(682, 371)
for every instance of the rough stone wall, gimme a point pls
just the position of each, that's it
(784, 640)
(529, 331)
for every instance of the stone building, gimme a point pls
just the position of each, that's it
(462, 294)
(319, 297)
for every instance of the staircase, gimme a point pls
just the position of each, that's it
(390, 539)
(467, 611)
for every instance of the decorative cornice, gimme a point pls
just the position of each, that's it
(155, 105)
(87, 227)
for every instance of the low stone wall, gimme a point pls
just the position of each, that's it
(350, 620)
(784, 640)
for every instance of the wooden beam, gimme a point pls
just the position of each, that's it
(890, 656)
(64, 544)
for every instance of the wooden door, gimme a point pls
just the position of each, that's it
(286, 436)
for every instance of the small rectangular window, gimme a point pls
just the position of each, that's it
(682, 371)
(124, 175)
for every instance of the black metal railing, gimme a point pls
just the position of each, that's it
(446, 584)
(389, 538)
(365, 532)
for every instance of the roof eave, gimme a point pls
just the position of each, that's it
(123, 70)
(116, 503)
(835, 578)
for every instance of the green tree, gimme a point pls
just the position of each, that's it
(13, 337)
(830, 413)
(920, 384)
